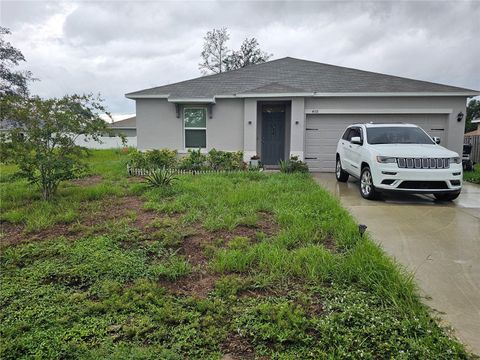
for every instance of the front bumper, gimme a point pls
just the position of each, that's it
(389, 177)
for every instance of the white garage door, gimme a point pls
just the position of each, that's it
(323, 132)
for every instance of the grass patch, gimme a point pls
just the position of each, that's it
(472, 176)
(277, 268)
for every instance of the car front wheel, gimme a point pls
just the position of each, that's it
(446, 197)
(340, 174)
(367, 190)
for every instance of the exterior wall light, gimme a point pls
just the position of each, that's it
(250, 122)
(210, 111)
(296, 122)
(460, 116)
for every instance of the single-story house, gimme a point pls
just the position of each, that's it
(126, 127)
(291, 107)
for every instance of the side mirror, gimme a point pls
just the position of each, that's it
(436, 139)
(356, 140)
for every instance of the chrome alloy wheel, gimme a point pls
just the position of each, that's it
(366, 184)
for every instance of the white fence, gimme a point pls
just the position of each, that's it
(475, 141)
(107, 142)
(145, 172)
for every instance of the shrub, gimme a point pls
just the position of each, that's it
(224, 160)
(137, 159)
(153, 159)
(161, 158)
(161, 177)
(195, 160)
(293, 165)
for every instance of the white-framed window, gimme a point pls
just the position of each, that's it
(195, 127)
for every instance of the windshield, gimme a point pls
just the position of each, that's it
(397, 135)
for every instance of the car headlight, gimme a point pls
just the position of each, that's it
(386, 159)
(456, 160)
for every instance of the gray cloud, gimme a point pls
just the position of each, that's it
(114, 47)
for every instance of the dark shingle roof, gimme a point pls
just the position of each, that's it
(294, 76)
(130, 123)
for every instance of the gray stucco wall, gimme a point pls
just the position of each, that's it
(158, 127)
(225, 129)
(454, 105)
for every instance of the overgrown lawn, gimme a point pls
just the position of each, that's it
(246, 264)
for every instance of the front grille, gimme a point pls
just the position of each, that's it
(423, 185)
(423, 163)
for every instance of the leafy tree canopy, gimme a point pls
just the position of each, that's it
(12, 82)
(249, 54)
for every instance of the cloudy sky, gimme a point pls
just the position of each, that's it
(114, 47)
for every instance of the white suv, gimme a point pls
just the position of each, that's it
(398, 157)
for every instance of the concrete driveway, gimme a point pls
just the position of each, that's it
(438, 242)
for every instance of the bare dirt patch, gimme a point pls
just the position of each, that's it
(237, 347)
(329, 244)
(87, 181)
(266, 225)
(198, 284)
(193, 249)
(202, 281)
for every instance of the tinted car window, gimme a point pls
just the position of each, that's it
(397, 135)
(345, 134)
(355, 132)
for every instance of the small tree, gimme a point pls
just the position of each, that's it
(214, 51)
(42, 141)
(249, 54)
(473, 112)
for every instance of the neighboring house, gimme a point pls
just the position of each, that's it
(6, 126)
(473, 137)
(291, 107)
(127, 127)
(474, 132)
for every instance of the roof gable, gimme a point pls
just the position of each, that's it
(289, 75)
(274, 88)
(129, 123)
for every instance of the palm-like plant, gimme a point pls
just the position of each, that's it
(161, 177)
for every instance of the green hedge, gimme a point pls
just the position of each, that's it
(194, 160)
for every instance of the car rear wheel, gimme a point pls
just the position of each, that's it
(446, 197)
(367, 189)
(340, 174)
